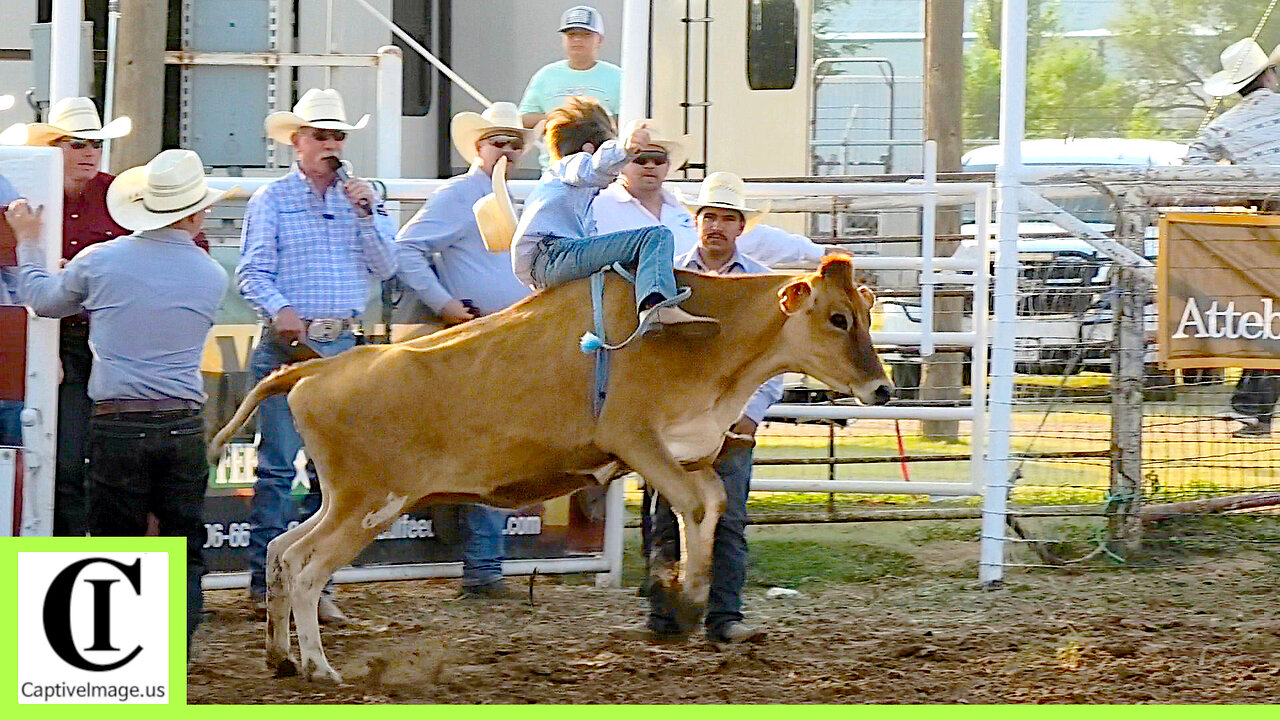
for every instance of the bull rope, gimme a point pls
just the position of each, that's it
(595, 342)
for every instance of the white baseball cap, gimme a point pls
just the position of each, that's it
(584, 17)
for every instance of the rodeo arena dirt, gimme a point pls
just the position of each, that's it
(996, 425)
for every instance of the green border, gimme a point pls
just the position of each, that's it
(175, 547)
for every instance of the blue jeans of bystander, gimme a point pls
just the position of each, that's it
(728, 555)
(278, 444)
(483, 546)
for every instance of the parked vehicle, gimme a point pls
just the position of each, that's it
(1064, 310)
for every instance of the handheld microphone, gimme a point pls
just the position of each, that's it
(342, 169)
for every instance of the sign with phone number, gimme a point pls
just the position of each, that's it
(423, 535)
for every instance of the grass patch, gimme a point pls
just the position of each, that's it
(793, 558)
(944, 531)
(795, 562)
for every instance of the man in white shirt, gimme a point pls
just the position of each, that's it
(638, 199)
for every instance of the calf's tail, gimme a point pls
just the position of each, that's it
(277, 383)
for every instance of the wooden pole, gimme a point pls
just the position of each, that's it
(139, 87)
(1129, 301)
(943, 121)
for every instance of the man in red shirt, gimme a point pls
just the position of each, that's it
(75, 126)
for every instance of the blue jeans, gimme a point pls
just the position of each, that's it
(278, 444)
(728, 554)
(11, 422)
(649, 251)
(482, 545)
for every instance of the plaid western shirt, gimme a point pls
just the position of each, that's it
(311, 253)
(1247, 134)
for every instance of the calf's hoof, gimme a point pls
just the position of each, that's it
(689, 614)
(323, 675)
(283, 668)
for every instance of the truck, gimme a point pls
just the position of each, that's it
(1064, 284)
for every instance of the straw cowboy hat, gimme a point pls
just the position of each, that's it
(677, 147)
(1241, 62)
(75, 117)
(316, 108)
(162, 192)
(724, 190)
(495, 214)
(467, 127)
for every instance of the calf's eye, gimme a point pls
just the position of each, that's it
(840, 321)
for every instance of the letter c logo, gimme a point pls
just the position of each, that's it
(57, 613)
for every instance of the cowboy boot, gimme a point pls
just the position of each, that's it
(672, 320)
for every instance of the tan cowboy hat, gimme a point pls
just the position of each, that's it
(75, 117)
(724, 190)
(1241, 62)
(316, 108)
(162, 192)
(467, 127)
(495, 213)
(677, 147)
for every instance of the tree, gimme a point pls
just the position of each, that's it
(823, 46)
(1170, 46)
(1069, 89)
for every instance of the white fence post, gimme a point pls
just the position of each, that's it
(1013, 79)
(64, 50)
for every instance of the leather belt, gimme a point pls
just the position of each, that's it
(111, 407)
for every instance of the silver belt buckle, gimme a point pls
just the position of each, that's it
(325, 329)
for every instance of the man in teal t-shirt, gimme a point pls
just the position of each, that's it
(580, 73)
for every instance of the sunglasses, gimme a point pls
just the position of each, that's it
(502, 143)
(650, 158)
(79, 144)
(324, 134)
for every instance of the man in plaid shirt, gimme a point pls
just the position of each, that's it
(311, 246)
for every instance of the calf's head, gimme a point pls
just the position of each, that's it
(828, 331)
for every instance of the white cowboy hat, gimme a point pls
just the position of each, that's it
(723, 190)
(495, 215)
(6, 102)
(467, 128)
(162, 192)
(316, 108)
(677, 147)
(75, 117)
(1241, 62)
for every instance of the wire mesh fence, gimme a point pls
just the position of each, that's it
(1207, 488)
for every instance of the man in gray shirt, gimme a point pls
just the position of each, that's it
(444, 261)
(151, 297)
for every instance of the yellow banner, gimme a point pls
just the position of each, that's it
(1219, 290)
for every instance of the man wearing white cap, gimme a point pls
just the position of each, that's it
(581, 74)
(1247, 134)
(312, 243)
(722, 215)
(445, 262)
(75, 127)
(152, 296)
